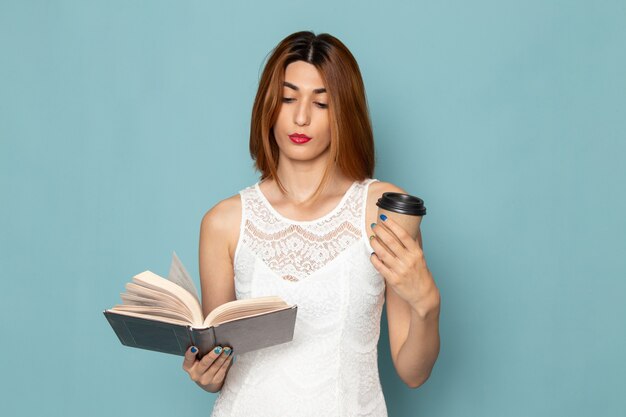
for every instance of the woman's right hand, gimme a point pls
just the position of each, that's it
(210, 371)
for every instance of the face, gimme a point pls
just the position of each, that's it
(302, 130)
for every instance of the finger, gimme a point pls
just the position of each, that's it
(386, 236)
(419, 239)
(403, 236)
(381, 243)
(221, 373)
(191, 356)
(383, 252)
(207, 360)
(210, 375)
(381, 267)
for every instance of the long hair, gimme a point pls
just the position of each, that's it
(352, 140)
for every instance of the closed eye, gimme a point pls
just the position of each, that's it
(318, 104)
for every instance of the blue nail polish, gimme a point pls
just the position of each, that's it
(193, 349)
(217, 350)
(383, 217)
(372, 225)
(227, 351)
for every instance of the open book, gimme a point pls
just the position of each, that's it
(165, 315)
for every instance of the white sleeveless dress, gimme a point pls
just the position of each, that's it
(331, 366)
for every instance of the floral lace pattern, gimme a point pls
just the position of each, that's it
(295, 250)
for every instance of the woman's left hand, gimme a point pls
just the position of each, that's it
(400, 260)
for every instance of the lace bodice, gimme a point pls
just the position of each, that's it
(296, 249)
(331, 366)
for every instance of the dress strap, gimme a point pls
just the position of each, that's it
(363, 212)
(365, 186)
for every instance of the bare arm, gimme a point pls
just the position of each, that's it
(413, 320)
(219, 232)
(413, 335)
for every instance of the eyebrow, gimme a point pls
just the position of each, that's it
(293, 87)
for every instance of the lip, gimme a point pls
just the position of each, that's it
(299, 138)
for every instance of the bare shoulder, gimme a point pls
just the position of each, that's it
(223, 220)
(375, 191)
(377, 188)
(228, 207)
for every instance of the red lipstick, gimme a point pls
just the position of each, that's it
(299, 138)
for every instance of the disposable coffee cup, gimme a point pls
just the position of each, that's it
(404, 209)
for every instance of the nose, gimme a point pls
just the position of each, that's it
(302, 116)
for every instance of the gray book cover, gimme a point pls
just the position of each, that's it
(243, 335)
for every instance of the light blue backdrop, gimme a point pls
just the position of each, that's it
(122, 122)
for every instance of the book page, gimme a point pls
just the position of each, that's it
(151, 294)
(151, 280)
(244, 308)
(156, 313)
(179, 276)
(137, 301)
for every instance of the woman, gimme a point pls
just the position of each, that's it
(308, 233)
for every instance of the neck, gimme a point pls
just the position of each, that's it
(301, 178)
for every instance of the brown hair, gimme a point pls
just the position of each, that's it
(352, 140)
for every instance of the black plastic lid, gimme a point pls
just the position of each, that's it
(402, 203)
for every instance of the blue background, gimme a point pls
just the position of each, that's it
(122, 122)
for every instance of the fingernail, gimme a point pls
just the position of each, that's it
(217, 350)
(383, 217)
(371, 237)
(234, 359)
(227, 351)
(372, 253)
(372, 225)
(193, 349)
